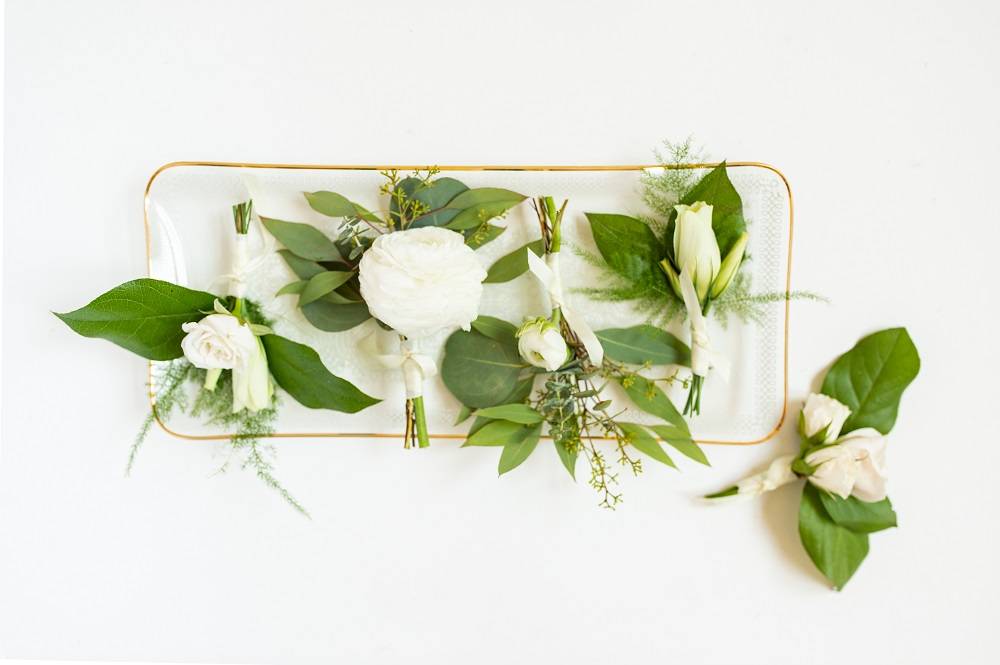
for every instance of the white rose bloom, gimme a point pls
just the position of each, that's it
(855, 465)
(822, 411)
(695, 247)
(218, 341)
(252, 387)
(541, 343)
(421, 281)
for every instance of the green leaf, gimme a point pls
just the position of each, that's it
(298, 369)
(481, 205)
(303, 240)
(515, 413)
(435, 196)
(304, 269)
(497, 433)
(480, 371)
(293, 288)
(479, 236)
(567, 457)
(644, 343)
(333, 204)
(143, 316)
(335, 317)
(648, 397)
(645, 443)
(630, 248)
(495, 328)
(463, 414)
(871, 378)
(727, 209)
(859, 516)
(322, 284)
(685, 445)
(515, 452)
(837, 551)
(511, 265)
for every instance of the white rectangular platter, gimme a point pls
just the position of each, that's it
(189, 234)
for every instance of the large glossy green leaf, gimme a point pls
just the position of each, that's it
(515, 413)
(322, 284)
(682, 443)
(304, 269)
(857, 515)
(727, 208)
(298, 369)
(511, 265)
(333, 316)
(644, 343)
(480, 205)
(871, 378)
(480, 371)
(646, 443)
(333, 204)
(651, 399)
(303, 240)
(836, 550)
(516, 452)
(630, 248)
(143, 316)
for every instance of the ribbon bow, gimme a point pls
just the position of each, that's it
(703, 357)
(547, 273)
(416, 366)
(243, 266)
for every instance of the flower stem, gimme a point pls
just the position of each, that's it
(423, 440)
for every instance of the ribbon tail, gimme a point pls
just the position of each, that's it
(586, 335)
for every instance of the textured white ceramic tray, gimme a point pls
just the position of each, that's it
(189, 234)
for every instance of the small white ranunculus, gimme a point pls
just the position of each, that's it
(422, 281)
(252, 387)
(695, 246)
(541, 343)
(218, 341)
(854, 465)
(823, 412)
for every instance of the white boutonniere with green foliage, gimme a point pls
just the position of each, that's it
(842, 457)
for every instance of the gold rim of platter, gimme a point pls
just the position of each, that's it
(369, 167)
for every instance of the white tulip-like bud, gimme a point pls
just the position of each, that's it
(421, 281)
(541, 343)
(252, 388)
(824, 415)
(854, 465)
(695, 246)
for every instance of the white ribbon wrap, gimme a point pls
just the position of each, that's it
(243, 265)
(547, 273)
(703, 357)
(416, 366)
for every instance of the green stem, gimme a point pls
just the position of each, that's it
(423, 440)
(238, 308)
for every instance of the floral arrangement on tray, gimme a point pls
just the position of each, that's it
(411, 266)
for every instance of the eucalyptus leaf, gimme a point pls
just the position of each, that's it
(463, 414)
(644, 343)
(567, 457)
(645, 443)
(685, 445)
(871, 377)
(435, 196)
(143, 316)
(478, 370)
(835, 550)
(859, 516)
(303, 240)
(515, 413)
(322, 284)
(298, 369)
(630, 248)
(335, 317)
(293, 288)
(333, 204)
(481, 205)
(479, 236)
(648, 397)
(495, 328)
(511, 265)
(304, 269)
(717, 190)
(516, 452)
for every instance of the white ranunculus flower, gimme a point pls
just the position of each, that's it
(695, 246)
(823, 412)
(252, 387)
(421, 281)
(541, 343)
(218, 341)
(854, 465)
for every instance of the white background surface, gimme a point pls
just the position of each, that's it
(883, 115)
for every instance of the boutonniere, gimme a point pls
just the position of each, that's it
(224, 345)
(411, 267)
(844, 431)
(553, 374)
